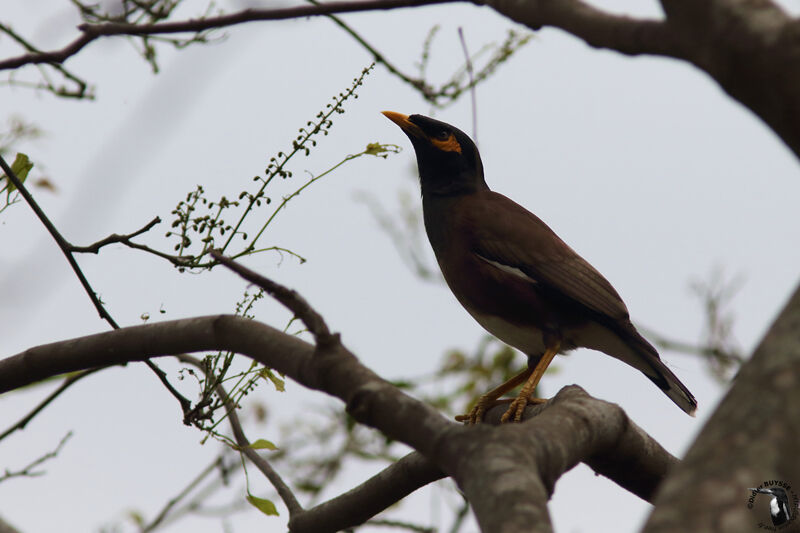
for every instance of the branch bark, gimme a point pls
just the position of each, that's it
(597, 28)
(507, 473)
(750, 47)
(91, 32)
(751, 438)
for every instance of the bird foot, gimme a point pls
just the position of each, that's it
(475, 415)
(517, 408)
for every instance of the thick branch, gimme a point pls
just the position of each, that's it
(361, 503)
(482, 459)
(750, 47)
(758, 427)
(598, 28)
(572, 428)
(623, 452)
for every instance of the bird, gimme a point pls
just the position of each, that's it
(515, 276)
(778, 504)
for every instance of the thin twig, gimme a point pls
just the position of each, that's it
(473, 97)
(126, 240)
(82, 86)
(114, 238)
(90, 32)
(182, 494)
(400, 524)
(287, 297)
(461, 515)
(44, 403)
(28, 471)
(416, 83)
(60, 240)
(66, 247)
(243, 443)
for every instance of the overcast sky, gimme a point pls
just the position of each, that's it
(644, 166)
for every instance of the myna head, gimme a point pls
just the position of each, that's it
(448, 160)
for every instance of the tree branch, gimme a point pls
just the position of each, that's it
(66, 249)
(28, 471)
(598, 28)
(287, 297)
(67, 383)
(90, 32)
(571, 428)
(757, 425)
(361, 503)
(242, 441)
(60, 241)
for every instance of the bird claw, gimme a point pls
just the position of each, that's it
(517, 408)
(475, 415)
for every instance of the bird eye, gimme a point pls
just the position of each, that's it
(442, 135)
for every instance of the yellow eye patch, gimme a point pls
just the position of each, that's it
(449, 145)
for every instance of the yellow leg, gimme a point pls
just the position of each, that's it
(517, 407)
(475, 416)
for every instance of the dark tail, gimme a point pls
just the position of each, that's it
(657, 372)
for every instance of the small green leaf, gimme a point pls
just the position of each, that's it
(279, 384)
(262, 444)
(381, 150)
(21, 166)
(265, 506)
(374, 149)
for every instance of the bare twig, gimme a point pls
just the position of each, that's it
(90, 32)
(417, 83)
(400, 524)
(472, 92)
(287, 297)
(29, 470)
(68, 382)
(65, 247)
(114, 238)
(60, 240)
(461, 515)
(81, 86)
(217, 463)
(243, 443)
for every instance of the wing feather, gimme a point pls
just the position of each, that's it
(547, 260)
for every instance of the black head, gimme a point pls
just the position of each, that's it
(448, 160)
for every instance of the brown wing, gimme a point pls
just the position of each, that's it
(519, 239)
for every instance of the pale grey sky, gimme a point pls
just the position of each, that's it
(642, 165)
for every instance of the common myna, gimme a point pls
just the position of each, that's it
(514, 275)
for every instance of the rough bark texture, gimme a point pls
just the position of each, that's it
(750, 47)
(507, 473)
(361, 503)
(752, 437)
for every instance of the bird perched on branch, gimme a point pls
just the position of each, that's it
(516, 277)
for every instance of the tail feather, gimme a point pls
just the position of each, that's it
(657, 372)
(672, 386)
(620, 339)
